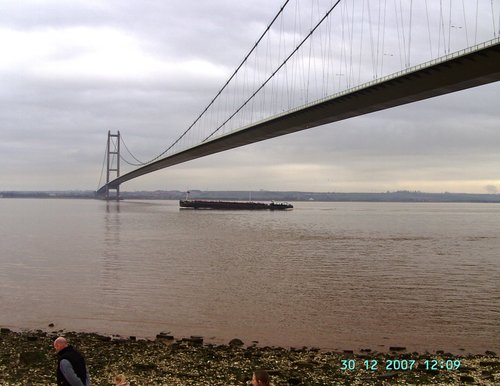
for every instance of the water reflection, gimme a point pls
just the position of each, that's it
(111, 264)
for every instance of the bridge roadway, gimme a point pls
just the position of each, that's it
(468, 68)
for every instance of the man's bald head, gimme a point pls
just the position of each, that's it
(60, 343)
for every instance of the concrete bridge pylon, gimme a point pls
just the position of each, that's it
(113, 164)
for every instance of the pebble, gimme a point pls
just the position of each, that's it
(152, 362)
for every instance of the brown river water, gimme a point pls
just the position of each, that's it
(425, 276)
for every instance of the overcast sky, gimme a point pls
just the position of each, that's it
(72, 70)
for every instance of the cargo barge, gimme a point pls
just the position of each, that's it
(234, 205)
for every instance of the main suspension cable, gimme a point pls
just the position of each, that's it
(140, 163)
(275, 71)
(221, 90)
(102, 168)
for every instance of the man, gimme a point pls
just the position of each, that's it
(71, 369)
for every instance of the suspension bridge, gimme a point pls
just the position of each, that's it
(328, 61)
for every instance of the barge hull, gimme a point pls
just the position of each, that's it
(233, 205)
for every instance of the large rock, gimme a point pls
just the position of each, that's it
(31, 358)
(165, 336)
(236, 342)
(467, 379)
(196, 340)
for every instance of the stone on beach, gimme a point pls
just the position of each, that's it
(152, 362)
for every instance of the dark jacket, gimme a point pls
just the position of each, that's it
(77, 362)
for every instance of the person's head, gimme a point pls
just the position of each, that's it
(260, 378)
(60, 343)
(119, 379)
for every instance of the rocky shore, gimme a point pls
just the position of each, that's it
(28, 358)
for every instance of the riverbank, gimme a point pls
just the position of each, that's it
(28, 358)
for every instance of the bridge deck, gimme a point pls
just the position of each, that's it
(472, 67)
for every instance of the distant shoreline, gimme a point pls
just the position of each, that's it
(264, 195)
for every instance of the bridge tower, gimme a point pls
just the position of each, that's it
(113, 162)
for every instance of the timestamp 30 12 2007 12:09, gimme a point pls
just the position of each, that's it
(399, 364)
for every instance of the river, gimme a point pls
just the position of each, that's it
(338, 276)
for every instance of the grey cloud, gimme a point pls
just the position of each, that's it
(47, 116)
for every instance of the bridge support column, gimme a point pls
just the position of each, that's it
(113, 164)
